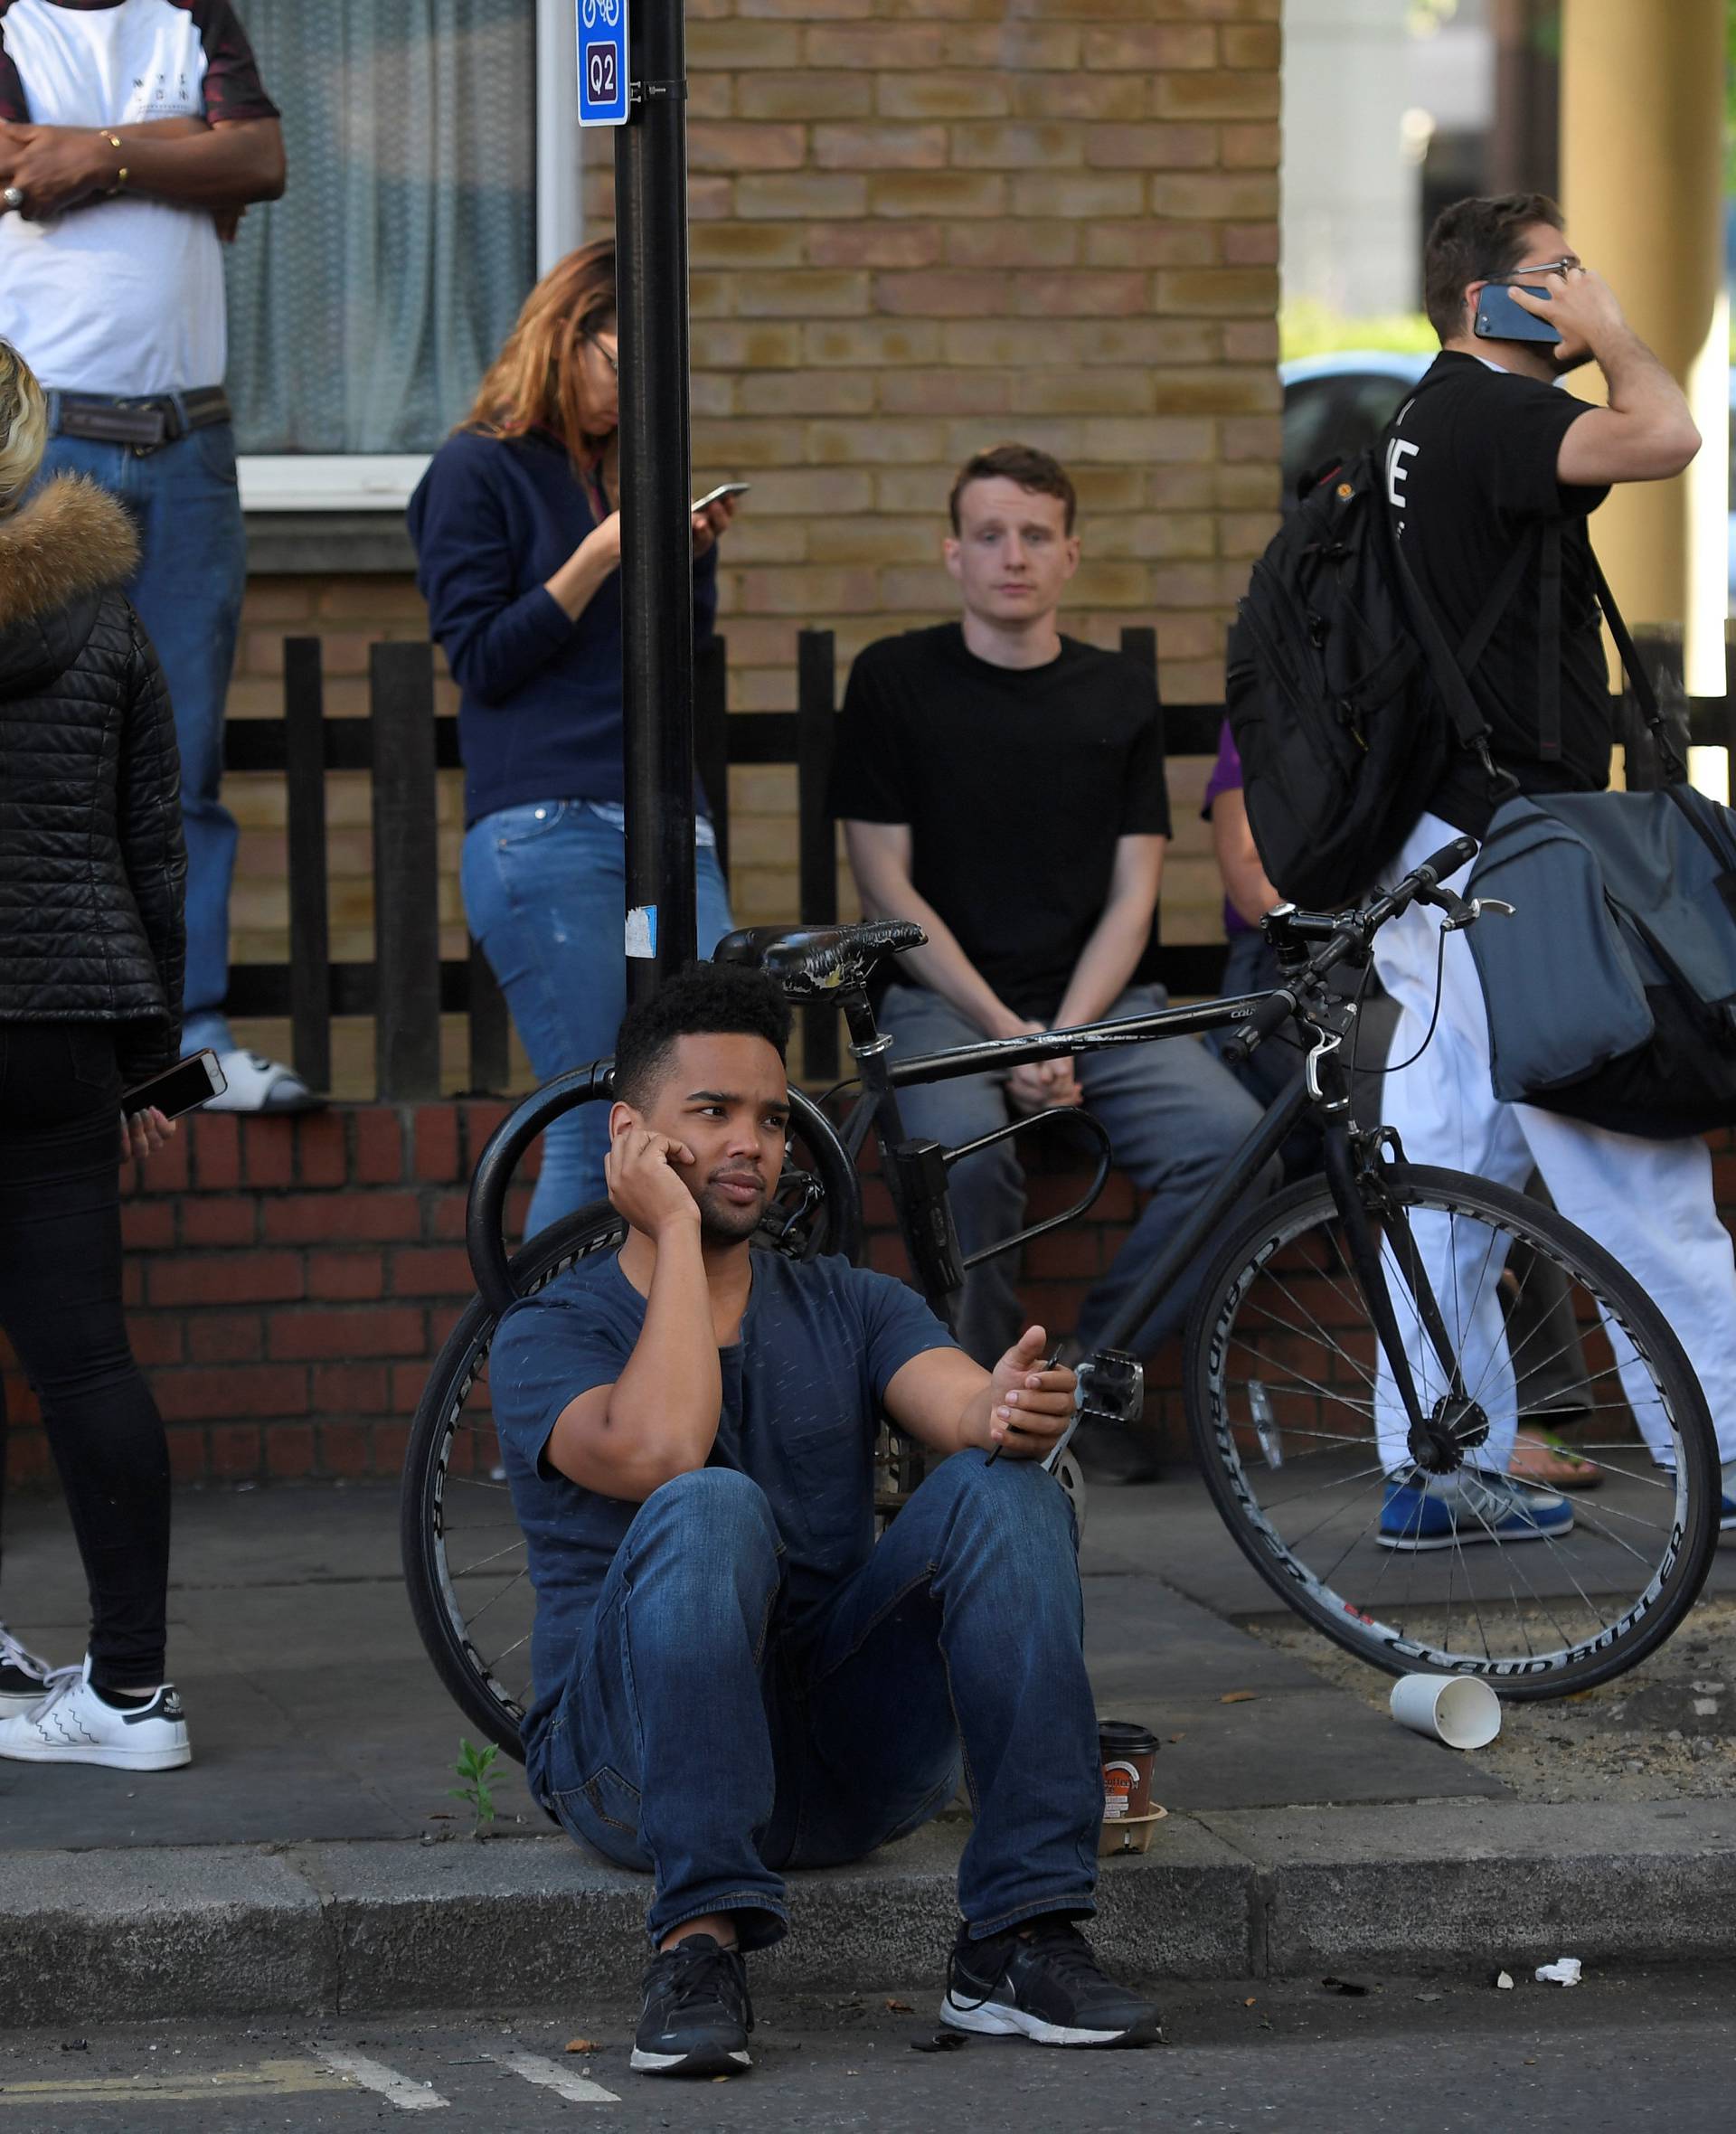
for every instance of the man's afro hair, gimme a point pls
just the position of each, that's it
(705, 1000)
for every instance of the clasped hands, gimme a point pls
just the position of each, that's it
(1043, 1084)
(53, 166)
(57, 167)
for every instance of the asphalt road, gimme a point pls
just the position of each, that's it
(1430, 2057)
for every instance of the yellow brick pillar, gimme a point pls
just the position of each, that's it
(1642, 130)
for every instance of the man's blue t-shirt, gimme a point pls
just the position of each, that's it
(802, 1389)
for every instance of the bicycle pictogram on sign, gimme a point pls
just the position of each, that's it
(602, 63)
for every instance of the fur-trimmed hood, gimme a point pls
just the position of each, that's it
(67, 550)
(71, 538)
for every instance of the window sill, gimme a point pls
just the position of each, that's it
(330, 543)
(318, 515)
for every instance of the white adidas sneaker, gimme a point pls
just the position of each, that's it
(73, 1725)
(25, 1679)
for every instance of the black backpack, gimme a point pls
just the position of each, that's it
(1345, 699)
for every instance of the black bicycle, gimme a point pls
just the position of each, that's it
(1351, 1383)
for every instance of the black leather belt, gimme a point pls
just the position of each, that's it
(146, 424)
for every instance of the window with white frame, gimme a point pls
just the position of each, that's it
(432, 173)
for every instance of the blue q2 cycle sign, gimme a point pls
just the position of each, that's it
(602, 63)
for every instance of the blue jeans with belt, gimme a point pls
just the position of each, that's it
(545, 897)
(703, 1737)
(192, 572)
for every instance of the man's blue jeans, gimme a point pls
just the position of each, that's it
(187, 589)
(707, 1738)
(546, 895)
(1175, 1115)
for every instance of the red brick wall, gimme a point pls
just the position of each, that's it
(288, 1282)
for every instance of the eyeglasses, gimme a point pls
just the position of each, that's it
(1560, 267)
(613, 362)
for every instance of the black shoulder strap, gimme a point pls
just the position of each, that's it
(1549, 641)
(1645, 695)
(1468, 723)
(1474, 642)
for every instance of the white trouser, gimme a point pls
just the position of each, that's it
(1648, 1203)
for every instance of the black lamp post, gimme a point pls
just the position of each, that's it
(657, 453)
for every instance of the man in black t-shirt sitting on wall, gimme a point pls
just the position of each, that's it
(1003, 785)
(1485, 451)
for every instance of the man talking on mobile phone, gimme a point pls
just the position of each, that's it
(732, 1677)
(1485, 453)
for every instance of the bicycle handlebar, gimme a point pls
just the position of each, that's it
(1343, 932)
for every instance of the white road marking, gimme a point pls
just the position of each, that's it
(396, 2089)
(577, 2089)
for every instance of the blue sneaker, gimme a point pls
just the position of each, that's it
(1470, 1507)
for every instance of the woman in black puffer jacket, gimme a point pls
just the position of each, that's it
(92, 873)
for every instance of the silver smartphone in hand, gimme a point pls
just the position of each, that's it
(189, 1084)
(716, 495)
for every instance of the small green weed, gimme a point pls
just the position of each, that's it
(473, 1767)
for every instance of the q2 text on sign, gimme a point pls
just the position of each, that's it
(602, 63)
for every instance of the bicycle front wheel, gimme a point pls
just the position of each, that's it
(1408, 1548)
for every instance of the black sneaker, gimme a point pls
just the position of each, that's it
(25, 1680)
(1047, 1988)
(697, 2015)
(1114, 1452)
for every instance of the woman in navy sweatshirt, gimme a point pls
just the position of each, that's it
(518, 539)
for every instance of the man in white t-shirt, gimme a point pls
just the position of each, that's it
(132, 135)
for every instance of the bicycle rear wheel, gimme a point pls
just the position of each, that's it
(1287, 1396)
(465, 1563)
(465, 1567)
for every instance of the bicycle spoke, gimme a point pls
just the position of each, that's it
(1290, 1330)
(482, 1563)
(517, 1579)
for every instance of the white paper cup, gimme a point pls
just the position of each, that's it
(1456, 1709)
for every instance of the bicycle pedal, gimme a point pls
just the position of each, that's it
(1111, 1386)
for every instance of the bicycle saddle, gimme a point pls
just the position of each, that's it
(808, 960)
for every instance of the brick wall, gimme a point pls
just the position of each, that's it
(289, 1281)
(917, 227)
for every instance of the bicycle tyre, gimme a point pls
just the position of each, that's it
(488, 1694)
(475, 1679)
(1231, 1429)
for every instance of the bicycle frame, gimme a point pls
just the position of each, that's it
(882, 1077)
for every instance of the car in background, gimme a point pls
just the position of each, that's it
(1336, 404)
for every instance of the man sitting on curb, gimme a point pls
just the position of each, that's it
(732, 1677)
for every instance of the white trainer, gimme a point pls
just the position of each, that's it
(259, 1084)
(73, 1725)
(25, 1679)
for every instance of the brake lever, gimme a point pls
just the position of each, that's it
(1461, 911)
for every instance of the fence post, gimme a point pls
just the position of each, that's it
(310, 953)
(1660, 655)
(712, 741)
(491, 1038)
(1139, 644)
(816, 685)
(406, 874)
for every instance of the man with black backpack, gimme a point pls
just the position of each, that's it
(1488, 478)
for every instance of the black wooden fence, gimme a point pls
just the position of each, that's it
(401, 744)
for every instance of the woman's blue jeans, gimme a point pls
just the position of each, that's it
(546, 895)
(705, 1737)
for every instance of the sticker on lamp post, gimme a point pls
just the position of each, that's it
(602, 63)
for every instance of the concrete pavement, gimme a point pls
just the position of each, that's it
(311, 1859)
